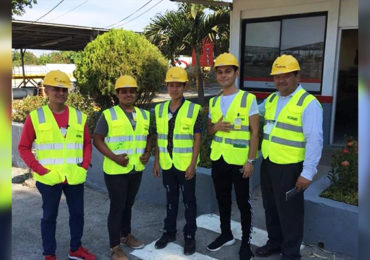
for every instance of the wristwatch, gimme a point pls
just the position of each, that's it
(252, 161)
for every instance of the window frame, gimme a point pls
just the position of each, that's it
(244, 23)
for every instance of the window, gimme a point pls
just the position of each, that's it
(265, 39)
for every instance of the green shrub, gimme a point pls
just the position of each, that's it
(116, 53)
(86, 105)
(344, 174)
(21, 108)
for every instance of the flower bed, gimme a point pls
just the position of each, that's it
(344, 174)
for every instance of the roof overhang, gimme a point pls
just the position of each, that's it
(206, 2)
(51, 36)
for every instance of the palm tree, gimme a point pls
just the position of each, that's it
(183, 30)
(167, 32)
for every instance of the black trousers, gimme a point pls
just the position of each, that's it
(174, 181)
(122, 189)
(224, 175)
(284, 219)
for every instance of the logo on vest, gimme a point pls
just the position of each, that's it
(292, 118)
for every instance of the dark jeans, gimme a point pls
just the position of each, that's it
(224, 175)
(173, 181)
(284, 219)
(5, 232)
(122, 189)
(50, 203)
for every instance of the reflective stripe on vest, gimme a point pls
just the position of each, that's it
(116, 139)
(58, 146)
(57, 161)
(162, 136)
(284, 141)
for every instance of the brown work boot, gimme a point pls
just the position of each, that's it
(118, 254)
(132, 242)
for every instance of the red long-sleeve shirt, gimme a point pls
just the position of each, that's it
(29, 135)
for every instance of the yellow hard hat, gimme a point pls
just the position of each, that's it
(126, 81)
(57, 78)
(226, 59)
(176, 74)
(284, 64)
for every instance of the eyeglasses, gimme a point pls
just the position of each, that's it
(126, 90)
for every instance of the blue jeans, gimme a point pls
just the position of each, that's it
(50, 203)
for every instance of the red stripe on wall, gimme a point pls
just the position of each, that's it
(321, 99)
(271, 80)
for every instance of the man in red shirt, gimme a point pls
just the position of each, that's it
(63, 155)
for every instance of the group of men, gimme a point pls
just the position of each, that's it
(291, 149)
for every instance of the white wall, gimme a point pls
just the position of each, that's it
(348, 13)
(340, 13)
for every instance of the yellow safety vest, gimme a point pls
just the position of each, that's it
(61, 155)
(285, 143)
(121, 138)
(5, 159)
(234, 145)
(183, 135)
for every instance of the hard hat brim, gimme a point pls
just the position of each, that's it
(126, 86)
(56, 86)
(280, 73)
(180, 81)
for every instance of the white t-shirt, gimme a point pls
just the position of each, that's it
(225, 103)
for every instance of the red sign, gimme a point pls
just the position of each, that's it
(206, 55)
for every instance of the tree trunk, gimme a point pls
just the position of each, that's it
(199, 75)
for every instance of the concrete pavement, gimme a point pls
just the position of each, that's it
(147, 222)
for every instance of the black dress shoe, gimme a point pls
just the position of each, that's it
(189, 247)
(266, 251)
(164, 240)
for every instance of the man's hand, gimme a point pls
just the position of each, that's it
(302, 183)
(156, 170)
(190, 172)
(121, 159)
(222, 126)
(144, 158)
(247, 170)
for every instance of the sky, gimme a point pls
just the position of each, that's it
(98, 13)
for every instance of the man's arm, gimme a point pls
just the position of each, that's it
(156, 168)
(144, 158)
(261, 108)
(87, 149)
(312, 120)
(25, 148)
(254, 138)
(100, 133)
(190, 171)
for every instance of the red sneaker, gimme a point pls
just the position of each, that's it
(81, 254)
(50, 257)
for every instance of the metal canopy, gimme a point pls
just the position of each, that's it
(51, 36)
